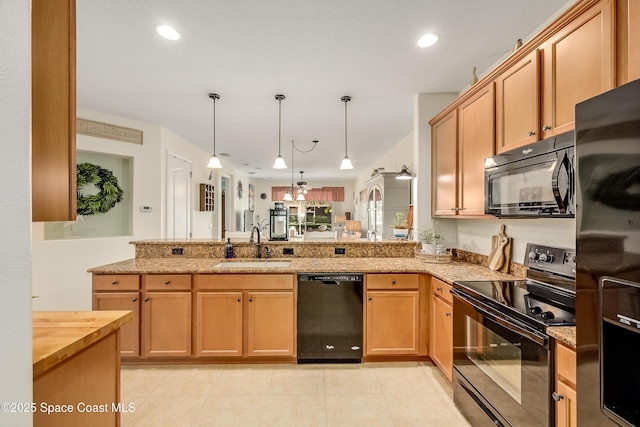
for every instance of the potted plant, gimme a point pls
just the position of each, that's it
(429, 238)
(400, 227)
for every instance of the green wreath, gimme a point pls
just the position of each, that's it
(110, 192)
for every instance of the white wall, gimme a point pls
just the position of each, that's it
(15, 187)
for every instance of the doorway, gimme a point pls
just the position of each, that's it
(178, 197)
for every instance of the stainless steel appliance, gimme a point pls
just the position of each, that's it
(502, 354)
(278, 222)
(329, 317)
(536, 180)
(608, 253)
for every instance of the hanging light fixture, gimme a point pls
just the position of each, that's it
(279, 163)
(300, 197)
(214, 161)
(346, 163)
(405, 173)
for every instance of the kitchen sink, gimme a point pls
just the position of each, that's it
(254, 264)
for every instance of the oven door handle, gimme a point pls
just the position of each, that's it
(536, 337)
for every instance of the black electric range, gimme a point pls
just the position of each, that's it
(546, 297)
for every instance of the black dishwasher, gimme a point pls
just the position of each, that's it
(330, 317)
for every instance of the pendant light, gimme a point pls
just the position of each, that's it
(300, 197)
(214, 161)
(279, 163)
(404, 174)
(346, 163)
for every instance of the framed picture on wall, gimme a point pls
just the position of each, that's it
(252, 197)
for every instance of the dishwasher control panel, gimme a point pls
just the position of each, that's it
(340, 277)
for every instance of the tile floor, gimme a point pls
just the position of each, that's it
(369, 394)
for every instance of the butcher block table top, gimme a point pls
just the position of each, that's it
(58, 335)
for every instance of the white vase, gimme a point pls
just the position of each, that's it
(400, 233)
(429, 248)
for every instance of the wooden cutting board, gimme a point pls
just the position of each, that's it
(499, 257)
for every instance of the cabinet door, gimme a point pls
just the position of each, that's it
(633, 40)
(566, 409)
(578, 64)
(219, 324)
(166, 324)
(53, 108)
(270, 324)
(130, 331)
(518, 104)
(444, 152)
(392, 322)
(476, 142)
(441, 336)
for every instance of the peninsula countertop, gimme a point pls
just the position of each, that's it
(58, 335)
(448, 272)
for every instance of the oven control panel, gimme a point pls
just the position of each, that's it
(551, 259)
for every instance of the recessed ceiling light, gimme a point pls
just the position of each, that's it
(428, 40)
(167, 32)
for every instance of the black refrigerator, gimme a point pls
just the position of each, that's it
(608, 258)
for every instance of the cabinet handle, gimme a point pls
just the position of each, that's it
(250, 299)
(369, 298)
(439, 289)
(557, 397)
(454, 209)
(393, 282)
(114, 283)
(134, 300)
(146, 300)
(167, 282)
(531, 133)
(447, 314)
(545, 127)
(238, 300)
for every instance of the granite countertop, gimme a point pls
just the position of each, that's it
(448, 272)
(58, 335)
(564, 334)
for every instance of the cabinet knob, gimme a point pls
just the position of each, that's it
(557, 397)
(531, 133)
(439, 289)
(134, 300)
(114, 283)
(167, 282)
(239, 300)
(146, 300)
(393, 282)
(545, 127)
(250, 299)
(447, 314)
(369, 298)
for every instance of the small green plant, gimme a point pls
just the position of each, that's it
(430, 234)
(399, 221)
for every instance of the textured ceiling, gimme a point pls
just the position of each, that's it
(312, 52)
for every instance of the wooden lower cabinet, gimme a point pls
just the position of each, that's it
(270, 324)
(392, 322)
(166, 324)
(441, 327)
(225, 319)
(565, 394)
(219, 324)
(130, 331)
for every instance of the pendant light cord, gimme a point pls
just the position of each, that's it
(345, 99)
(280, 121)
(215, 97)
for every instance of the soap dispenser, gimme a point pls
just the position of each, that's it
(228, 249)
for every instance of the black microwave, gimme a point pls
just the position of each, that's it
(533, 181)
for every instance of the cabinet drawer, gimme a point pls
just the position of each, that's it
(116, 282)
(244, 281)
(441, 289)
(566, 363)
(392, 281)
(166, 282)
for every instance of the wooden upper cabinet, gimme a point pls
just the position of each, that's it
(633, 40)
(53, 99)
(518, 104)
(476, 122)
(444, 147)
(578, 64)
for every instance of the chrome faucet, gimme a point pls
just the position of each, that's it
(258, 244)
